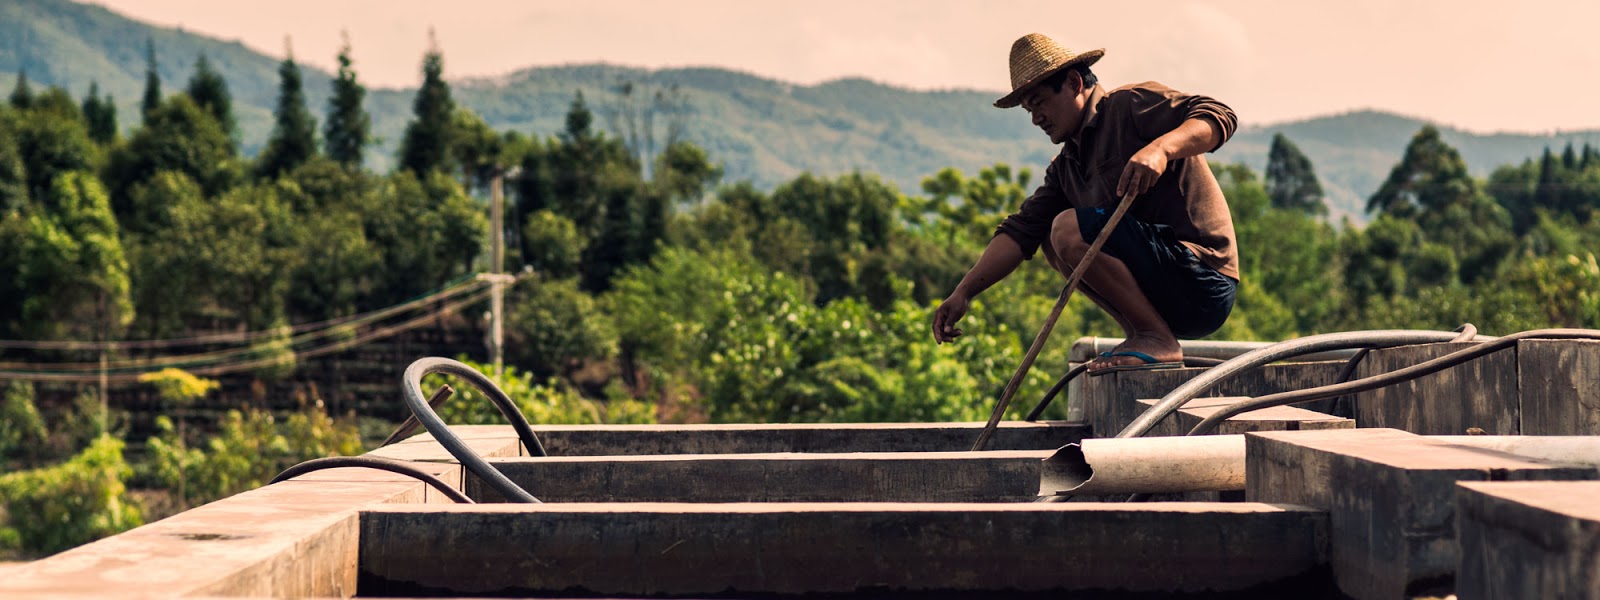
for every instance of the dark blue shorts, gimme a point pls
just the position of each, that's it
(1194, 299)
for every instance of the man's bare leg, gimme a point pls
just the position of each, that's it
(1065, 269)
(1116, 290)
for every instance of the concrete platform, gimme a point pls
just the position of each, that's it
(1111, 401)
(733, 550)
(641, 440)
(1390, 497)
(1277, 418)
(989, 476)
(1528, 540)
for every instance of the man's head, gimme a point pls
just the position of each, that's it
(1052, 83)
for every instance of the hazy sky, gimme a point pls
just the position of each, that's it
(1479, 65)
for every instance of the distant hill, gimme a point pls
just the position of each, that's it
(763, 130)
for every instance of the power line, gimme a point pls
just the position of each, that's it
(223, 369)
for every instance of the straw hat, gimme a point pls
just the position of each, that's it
(1035, 58)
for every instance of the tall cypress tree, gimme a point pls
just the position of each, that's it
(428, 137)
(210, 92)
(22, 94)
(100, 114)
(152, 82)
(294, 135)
(349, 126)
(1291, 180)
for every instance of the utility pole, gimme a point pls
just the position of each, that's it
(497, 269)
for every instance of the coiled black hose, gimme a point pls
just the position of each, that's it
(372, 462)
(411, 392)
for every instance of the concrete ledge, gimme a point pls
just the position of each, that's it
(990, 476)
(1528, 540)
(1277, 418)
(649, 440)
(1390, 496)
(727, 550)
(293, 539)
(1111, 401)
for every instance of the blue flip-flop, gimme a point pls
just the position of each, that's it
(1150, 363)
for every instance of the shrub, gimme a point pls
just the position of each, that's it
(54, 508)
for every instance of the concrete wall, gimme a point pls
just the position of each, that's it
(733, 550)
(1537, 387)
(1111, 401)
(1528, 540)
(633, 440)
(1390, 497)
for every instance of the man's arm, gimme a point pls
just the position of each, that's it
(999, 259)
(1193, 137)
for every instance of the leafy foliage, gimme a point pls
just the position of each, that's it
(249, 448)
(80, 500)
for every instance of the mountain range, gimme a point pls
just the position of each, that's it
(760, 129)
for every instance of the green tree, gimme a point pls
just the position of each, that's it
(21, 95)
(100, 114)
(76, 502)
(430, 230)
(554, 328)
(430, 135)
(210, 92)
(75, 271)
(1432, 187)
(178, 137)
(294, 133)
(346, 133)
(1291, 180)
(152, 82)
(52, 140)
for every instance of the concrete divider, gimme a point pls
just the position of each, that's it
(1390, 496)
(1277, 418)
(635, 440)
(1537, 387)
(991, 476)
(1528, 540)
(730, 550)
(1111, 401)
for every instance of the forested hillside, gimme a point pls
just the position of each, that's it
(761, 130)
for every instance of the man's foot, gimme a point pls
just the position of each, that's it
(1137, 353)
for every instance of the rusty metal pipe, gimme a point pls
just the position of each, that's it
(1158, 465)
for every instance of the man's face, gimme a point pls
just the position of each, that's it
(1057, 113)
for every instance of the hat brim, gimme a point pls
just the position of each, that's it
(1015, 97)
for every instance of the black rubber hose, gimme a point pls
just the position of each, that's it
(1073, 373)
(1274, 353)
(372, 462)
(1412, 372)
(411, 392)
(411, 423)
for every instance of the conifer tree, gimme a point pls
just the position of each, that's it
(293, 140)
(1291, 180)
(100, 115)
(349, 126)
(152, 82)
(22, 94)
(429, 136)
(210, 92)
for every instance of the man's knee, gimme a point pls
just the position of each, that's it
(1065, 238)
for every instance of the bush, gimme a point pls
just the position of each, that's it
(249, 449)
(22, 430)
(552, 403)
(79, 501)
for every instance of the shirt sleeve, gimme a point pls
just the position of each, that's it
(1030, 225)
(1157, 109)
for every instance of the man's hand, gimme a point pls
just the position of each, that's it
(945, 317)
(1144, 168)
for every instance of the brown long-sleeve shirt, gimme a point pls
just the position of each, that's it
(1116, 125)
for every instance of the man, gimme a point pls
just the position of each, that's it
(1170, 268)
